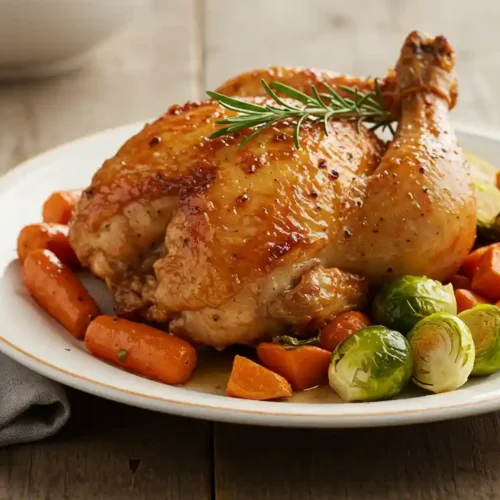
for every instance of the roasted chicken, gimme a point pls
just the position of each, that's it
(229, 245)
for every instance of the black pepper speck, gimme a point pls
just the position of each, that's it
(154, 141)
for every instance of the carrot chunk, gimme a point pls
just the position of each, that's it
(471, 262)
(249, 380)
(304, 366)
(341, 327)
(486, 280)
(59, 291)
(59, 206)
(459, 281)
(47, 236)
(141, 349)
(467, 299)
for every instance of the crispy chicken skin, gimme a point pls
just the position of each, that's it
(230, 245)
(250, 84)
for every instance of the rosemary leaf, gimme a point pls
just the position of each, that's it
(270, 91)
(253, 134)
(296, 131)
(291, 92)
(236, 103)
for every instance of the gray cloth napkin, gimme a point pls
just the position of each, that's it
(32, 407)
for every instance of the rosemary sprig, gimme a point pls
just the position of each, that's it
(357, 106)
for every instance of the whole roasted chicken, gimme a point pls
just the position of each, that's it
(230, 245)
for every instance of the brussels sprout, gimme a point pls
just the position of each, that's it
(488, 210)
(483, 175)
(443, 352)
(402, 303)
(484, 324)
(373, 363)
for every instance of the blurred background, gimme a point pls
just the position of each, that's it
(148, 54)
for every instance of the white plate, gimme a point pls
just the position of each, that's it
(35, 340)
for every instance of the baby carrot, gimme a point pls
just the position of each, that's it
(341, 327)
(486, 280)
(53, 237)
(59, 206)
(467, 299)
(249, 380)
(59, 291)
(304, 367)
(141, 349)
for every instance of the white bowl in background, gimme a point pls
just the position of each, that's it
(40, 38)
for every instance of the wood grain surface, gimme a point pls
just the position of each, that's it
(112, 452)
(173, 51)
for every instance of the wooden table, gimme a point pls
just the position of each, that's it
(172, 52)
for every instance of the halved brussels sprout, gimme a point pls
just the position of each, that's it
(443, 352)
(373, 363)
(484, 324)
(402, 303)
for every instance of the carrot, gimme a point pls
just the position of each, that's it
(304, 367)
(341, 327)
(498, 179)
(59, 291)
(53, 237)
(467, 299)
(59, 206)
(249, 380)
(459, 281)
(141, 349)
(486, 280)
(471, 262)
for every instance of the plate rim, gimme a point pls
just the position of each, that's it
(236, 415)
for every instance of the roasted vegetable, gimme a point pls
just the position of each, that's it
(484, 323)
(443, 352)
(481, 169)
(467, 299)
(341, 327)
(58, 291)
(488, 210)
(487, 196)
(373, 363)
(141, 349)
(403, 302)
(486, 279)
(249, 380)
(304, 366)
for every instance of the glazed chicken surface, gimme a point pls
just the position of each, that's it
(229, 245)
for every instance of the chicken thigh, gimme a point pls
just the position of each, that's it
(230, 245)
